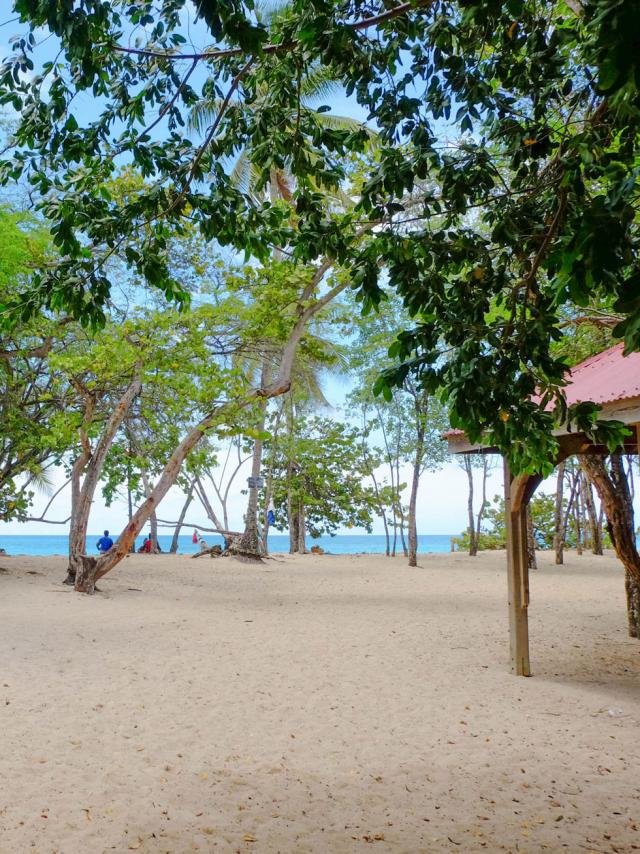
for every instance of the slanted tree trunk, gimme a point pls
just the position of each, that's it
(174, 542)
(558, 533)
(221, 527)
(613, 490)
(592, 515)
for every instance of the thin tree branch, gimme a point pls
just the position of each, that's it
(224, 53)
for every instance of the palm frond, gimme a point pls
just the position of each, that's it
(270, 11)
(42, 481)
(203, 113)
(319, 82)
(331, 120)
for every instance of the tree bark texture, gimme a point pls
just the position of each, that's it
(251, 541)
(558, 533)
(531, 541)
(613, 490)
(595, 524)
(471, 527)
(413, 498)
(81, 570)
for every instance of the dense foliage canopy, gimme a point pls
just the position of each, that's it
(503, 187)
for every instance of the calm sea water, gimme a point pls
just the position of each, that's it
(56, 544)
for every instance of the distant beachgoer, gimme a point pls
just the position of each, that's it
(104, 543)
(194, 538)
(147, 544)
(203, 544)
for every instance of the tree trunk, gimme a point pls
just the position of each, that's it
(471, 528)
(174, 542)
(302, 545)
(153, 519)
(594, 521)
(632, 589)
(251, 539)
(80, 510)
(558, 534)
(613, 490)
(577, 514)
(294, 527)
(483, 504)
(221, 527)
(531, 541)
(413, 498)
(80, 571)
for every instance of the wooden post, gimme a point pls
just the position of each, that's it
(517, 571)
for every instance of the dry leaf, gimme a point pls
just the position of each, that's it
(249, 837)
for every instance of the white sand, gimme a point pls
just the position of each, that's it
(316, 705)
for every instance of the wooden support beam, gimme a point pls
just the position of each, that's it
(517, 569)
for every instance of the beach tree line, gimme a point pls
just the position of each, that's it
(507, 140)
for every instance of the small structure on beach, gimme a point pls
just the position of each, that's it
(609, 379)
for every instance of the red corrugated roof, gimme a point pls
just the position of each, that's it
(605, 378)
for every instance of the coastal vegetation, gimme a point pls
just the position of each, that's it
(187, 254)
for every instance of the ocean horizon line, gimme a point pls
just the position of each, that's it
(55, 544)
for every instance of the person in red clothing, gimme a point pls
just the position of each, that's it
(146, 546)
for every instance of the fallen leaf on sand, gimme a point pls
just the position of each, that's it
(249, 837)
(135, 845)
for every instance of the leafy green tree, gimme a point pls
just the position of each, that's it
(541, 102)
(410, 421)
(317, 479)
(27, 400)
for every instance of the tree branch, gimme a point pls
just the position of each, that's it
(227, 53)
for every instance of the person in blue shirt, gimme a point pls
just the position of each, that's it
(104, 543)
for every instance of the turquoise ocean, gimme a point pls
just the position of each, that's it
(57, 544)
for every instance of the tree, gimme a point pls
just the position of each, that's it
(27, 400)
(149, 377)
(545, 134)
(468, 463)
(317, 479)
(410, 422)
(613, 489)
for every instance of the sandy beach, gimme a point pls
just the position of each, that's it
(316, 704)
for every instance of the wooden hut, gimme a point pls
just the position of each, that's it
(609, 379)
